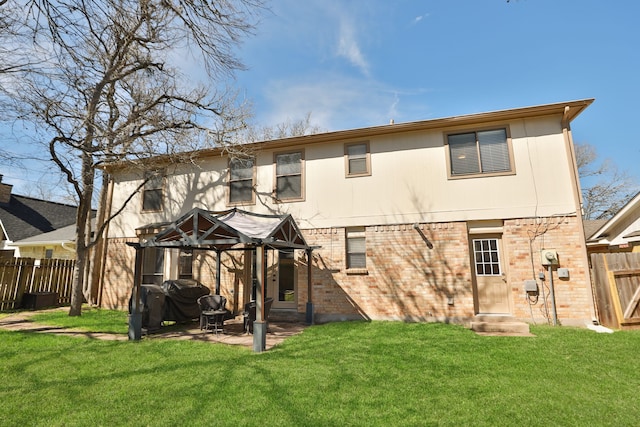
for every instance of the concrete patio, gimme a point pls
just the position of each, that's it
(233, 331)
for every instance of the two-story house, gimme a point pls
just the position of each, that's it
(434, 220)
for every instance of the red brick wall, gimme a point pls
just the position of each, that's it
(118, 274)
(523, 240)
(412, 274)
(405, 279)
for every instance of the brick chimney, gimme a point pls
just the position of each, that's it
(5, 191)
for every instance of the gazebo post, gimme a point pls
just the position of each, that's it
(135, 318)
(309, 289)
(260, 326)
(218, 264)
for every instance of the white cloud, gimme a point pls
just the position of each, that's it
(337, 102)
(348, 46)
(418, 19)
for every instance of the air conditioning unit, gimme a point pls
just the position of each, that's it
(549, 257)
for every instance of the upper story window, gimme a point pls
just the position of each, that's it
(152, 192)
(289, 176)
(357, 159)
(481, 152)
(241, 180)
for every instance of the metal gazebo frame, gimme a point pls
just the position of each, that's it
(233, 229)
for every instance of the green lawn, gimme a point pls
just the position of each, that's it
(379, 373)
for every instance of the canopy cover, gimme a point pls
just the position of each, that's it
(201, 229)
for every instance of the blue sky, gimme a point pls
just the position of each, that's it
(363, 62)
(358, 63)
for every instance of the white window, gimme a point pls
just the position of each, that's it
(241, 177)
(152, 193)
(487, 257)
(289, 176)
(356, 248)
(482, 152)
(358, 160)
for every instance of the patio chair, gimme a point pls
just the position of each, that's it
(249, 313)
(212, 312)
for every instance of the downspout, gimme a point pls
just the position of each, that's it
(309, 313)
(575, 182)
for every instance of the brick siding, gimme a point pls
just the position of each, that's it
(412, 274)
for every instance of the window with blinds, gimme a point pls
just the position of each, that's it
(241, 176)
(357, 159)
(152, 192)
(356, 248)
(482, 152)
(289, 176)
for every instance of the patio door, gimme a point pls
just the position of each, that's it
(492, 289)
(283, 283)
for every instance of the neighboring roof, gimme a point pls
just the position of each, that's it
(568, 110)
(25, 217)
(592, 225)
(61, 235)
(222, 231)
(627, 217)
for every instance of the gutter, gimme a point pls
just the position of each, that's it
(575, 182)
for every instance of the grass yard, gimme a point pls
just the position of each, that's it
(339, 374)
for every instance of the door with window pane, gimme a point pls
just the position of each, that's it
(492, 290)
(283, 289)
(152, 266)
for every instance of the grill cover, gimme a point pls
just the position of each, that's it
(181, 302)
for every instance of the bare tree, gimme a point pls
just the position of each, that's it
(605, 189)
(105, 86)
(286, 129)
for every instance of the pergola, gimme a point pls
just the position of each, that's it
(225, 231)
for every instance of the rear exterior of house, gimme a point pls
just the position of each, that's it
(438, 220)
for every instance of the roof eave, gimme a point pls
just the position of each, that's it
(576, 107)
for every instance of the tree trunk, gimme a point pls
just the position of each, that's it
(83, 233)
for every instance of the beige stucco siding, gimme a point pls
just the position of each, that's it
(408, 183)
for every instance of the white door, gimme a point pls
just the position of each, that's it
(283, 283)
(492, 289)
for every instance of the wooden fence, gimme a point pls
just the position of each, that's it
(20, 276)
(616, 279)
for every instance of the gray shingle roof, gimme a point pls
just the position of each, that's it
(592, 225)
(24, 216)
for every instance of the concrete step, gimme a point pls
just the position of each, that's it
(499, 325)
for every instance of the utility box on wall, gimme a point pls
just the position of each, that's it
(549, 257)
(531, 287)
